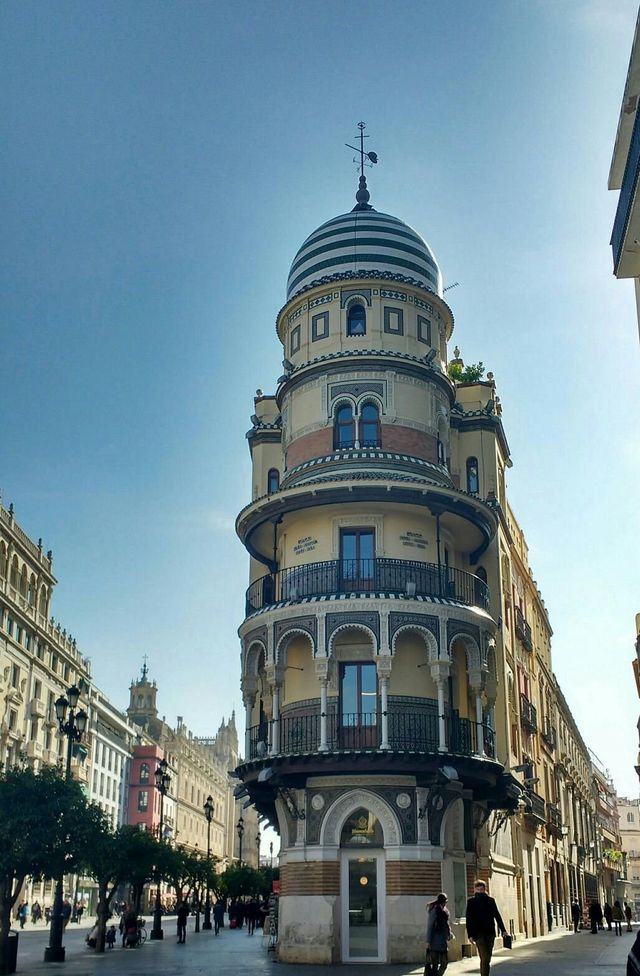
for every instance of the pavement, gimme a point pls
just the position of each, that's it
(234, 953)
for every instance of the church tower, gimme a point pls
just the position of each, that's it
(369, 668)
(142, 700)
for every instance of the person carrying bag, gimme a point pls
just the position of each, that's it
(439, 934)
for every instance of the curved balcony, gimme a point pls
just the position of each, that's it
(408, 732)
(397, 577)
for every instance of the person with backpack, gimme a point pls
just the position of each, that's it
(439, 934)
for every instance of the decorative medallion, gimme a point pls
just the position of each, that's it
(317, 801)
(403, 800)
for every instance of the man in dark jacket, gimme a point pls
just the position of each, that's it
(482, 915)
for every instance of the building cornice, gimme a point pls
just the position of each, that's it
(353, 360)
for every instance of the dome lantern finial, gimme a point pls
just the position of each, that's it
(363, 196)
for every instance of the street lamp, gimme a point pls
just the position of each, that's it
(208, 812)
(73, 727)
(271, 854)
(163, 782)
(258, 848)
(240, 829)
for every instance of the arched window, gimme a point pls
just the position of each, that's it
(13, 580)
(23, 581)
(481, 573)
(356, 321)
(144, 773)
(370, 426)
(473, 483)
(42, 606)
(440, 451)
(273, 481)
(3, 559)
(344, 428)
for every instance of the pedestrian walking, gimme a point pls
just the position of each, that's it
(183, 915)
(576, 914)
(110, 937)
(66, 913)
(36, 912)
(628, 914)
(23, 914)
(618, 917)
(607, 911)
(439, 935)
(482, 916)
(218, 916)
(595, 916)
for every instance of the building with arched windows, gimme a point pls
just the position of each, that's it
(404, 729)
(372, 664)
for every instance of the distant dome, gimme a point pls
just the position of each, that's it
(364, 240)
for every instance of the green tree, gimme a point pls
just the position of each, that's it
(126, 854)
(240, 879)
(472, 373)
(46, 825)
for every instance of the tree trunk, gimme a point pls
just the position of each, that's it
(8, 895)
(102, 914)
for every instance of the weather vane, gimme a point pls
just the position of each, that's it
(371, 156)
(362, 196)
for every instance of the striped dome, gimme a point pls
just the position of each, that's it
(364, 240)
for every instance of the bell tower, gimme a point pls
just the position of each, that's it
(142, 698)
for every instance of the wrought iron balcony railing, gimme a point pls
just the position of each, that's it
(523, 630)
(548, 733)
(554, 816)
(407, 732)
(528, 714)
(399, 577)
(536, 807)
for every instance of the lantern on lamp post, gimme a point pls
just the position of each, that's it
(72, 724)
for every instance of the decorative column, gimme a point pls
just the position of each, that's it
(475, 683)
(440, 673)
(322, 673)
(384, 673)
(275, 719)
(249, 691)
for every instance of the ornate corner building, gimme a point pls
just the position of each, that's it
(372, 669)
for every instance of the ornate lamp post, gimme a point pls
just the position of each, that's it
(258, 849)
(240, 829)
(271, 854)
(163, 782)
(73, 727)
(208, 812)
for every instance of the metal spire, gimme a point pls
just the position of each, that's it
(363, 196)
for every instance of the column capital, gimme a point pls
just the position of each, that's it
(321, 668)
(383, 666)
(440, 670)
(274, 674)
(249, 688)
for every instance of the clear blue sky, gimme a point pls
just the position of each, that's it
(162, 162)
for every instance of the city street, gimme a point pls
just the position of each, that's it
(234, 953)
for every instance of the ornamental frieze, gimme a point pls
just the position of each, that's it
(308, 625)
(335, 621)
(425, 620)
